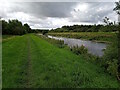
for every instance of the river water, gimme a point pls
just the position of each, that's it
(94, 48)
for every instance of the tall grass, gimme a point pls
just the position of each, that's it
(79, 50)
(94, 36)
(58, 43)
(110, 59)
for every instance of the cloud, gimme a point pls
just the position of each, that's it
(93, 12)
(53, 9)
(41, 9)
(57, 14)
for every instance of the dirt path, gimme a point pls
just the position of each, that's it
(29, 68)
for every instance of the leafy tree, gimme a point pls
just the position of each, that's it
(107, 21)
(117, 9)
(14, 27)
(5, 27)
(27, 28)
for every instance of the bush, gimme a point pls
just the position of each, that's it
(112, 67)
(79, 50)
(110, 58)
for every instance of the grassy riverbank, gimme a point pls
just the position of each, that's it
(30, 61)
(106, 37)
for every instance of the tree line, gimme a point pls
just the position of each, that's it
(87, 28)
(15, 27)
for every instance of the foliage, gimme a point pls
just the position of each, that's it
(14, 27)
(79, 50)
(109, 60)
(112, 67)
(87, 28)
(44, 32)
(27, 28)
(117, 8)
(107, 21)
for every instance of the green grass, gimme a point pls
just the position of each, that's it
(106, 37)
(0, 63)
(30, 61)
(6, 36)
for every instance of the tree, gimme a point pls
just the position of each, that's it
(5, 27)
(117, 9)
(27, 28)
(44, 32)
(15, 27)
(107, 21)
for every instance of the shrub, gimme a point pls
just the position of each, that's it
(79, 50)
(112, 67)
(110, 58)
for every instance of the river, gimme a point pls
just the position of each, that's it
(94, 48)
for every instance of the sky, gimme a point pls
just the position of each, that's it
(48, 15)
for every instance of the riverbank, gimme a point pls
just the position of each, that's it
(93, 48)
(32, 62)
(103, 37)
(110, 58)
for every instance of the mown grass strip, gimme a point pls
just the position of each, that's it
(50, 66)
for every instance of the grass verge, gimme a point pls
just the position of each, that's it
(50, 66)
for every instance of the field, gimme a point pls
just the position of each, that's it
(30, 61)
(106, 37)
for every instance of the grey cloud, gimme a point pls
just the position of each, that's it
(53, 9)
(96, 16)
(39, 12)
(44, 9)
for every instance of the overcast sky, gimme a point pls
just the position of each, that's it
(46, 15)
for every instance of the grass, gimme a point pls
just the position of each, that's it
(6, 36)
(0, 62)
(30, 61)
(106, 37)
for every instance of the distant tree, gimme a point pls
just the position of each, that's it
(107, 21)
(27, 28)
(14, 27)
(87, 28)
(0, 26)
(44, 32)
(5, 27)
